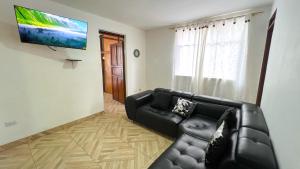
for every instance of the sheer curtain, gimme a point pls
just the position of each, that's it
(188, 46)
(212, 60)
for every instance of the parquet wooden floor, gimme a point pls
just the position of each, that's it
(106, 141)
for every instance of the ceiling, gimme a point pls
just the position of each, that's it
(148, 14)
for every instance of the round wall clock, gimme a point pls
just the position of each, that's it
(136, 53)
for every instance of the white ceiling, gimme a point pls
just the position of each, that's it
(148, 14)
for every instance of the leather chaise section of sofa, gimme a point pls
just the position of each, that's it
(186, 153)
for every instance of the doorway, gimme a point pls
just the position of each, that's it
(113, 65)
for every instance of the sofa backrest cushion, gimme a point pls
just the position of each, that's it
(219, 101)
(162, 90)
(214, 111)
(176, 95)
(161, 100)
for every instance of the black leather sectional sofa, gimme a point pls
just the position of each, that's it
(249, 144)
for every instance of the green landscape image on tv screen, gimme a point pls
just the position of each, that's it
(52, 30)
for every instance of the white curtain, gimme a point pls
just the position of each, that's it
(212, 60)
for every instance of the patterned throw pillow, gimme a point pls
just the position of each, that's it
(217, 146)
(183, 107)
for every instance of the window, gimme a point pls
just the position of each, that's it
(211, 59)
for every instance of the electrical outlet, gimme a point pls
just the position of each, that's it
(10, 123)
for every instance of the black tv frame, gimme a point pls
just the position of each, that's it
(42, 44)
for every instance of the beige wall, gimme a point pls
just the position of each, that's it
(39, 89)
(280, 101)
(159, 51)
(159, 47)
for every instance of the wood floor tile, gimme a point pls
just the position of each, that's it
(51, 140)
(108, 140)
(71, 156)
(17, 158)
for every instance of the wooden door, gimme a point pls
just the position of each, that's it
(106, 41)
(117, 69)
(265, 59)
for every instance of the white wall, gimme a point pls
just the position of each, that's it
(159, 48)
(257, 39)
(39, 89)
(281, 96)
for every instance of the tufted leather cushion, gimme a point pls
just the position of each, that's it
(186, 153)
(198, 126)
(164, 121)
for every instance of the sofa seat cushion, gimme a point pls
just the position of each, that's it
(254, 149)
(187, 152)
(252, 117)
(165, 122)
(199, 126)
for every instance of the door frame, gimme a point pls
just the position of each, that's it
(265, 58)
(121, 36)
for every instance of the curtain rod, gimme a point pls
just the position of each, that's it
(217, 18)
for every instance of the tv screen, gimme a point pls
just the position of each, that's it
(46, 29)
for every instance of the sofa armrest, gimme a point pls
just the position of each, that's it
(135, 101)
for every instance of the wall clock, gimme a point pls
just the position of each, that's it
(136, 53)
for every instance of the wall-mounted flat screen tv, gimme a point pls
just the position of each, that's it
(46, 29)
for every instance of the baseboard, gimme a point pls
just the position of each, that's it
(43, 133)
